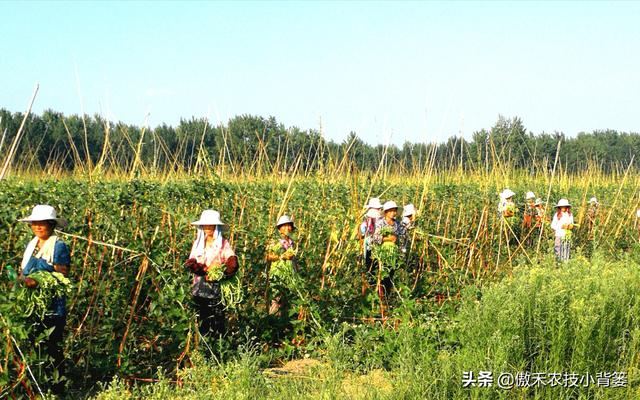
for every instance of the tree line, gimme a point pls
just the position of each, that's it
(254, 143)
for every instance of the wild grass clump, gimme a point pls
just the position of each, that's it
(581, 317)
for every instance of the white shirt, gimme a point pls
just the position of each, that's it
(557, 223)
(502, 205)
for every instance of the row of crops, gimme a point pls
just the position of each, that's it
(130, 311)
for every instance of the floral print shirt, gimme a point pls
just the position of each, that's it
(397, 228)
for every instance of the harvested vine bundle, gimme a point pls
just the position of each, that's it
(282, 271)
(215, 273)
(387, 255)
(37, 301)
(231, 290)
(568, 235)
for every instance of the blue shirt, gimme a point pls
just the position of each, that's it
(61, 256)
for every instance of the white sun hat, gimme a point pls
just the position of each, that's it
(563, 203)
(44, 212)
(374, 202)
(389, 205)
(285, 220)
(209, 217)
(407, 210)
(538, 202)
(373, 213)
(593, 200)
(507, 193)
(530, 195)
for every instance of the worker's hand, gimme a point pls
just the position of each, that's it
(195, 267)
(191, 264)
(200, 269)
(391, 238)
(30, 283)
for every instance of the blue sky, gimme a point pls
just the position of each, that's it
(391, 72)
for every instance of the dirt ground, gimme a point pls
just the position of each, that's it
(354, 386)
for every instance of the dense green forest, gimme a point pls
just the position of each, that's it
(258, 144)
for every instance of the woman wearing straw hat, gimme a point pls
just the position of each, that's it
(541, 213)
(390, 210)
(507, 208)
(408, 222)
(528, 217)
(211, 259)
(281, 254)
(408, 216)
(389, 232)
(365, 232)
(562, 224)
(47, 253)
(529, 211)
(539, 220)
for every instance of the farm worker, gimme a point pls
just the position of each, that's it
(390, 210)
(281, 253)
(529, 211)
(408, 222)
(562, 224)
(539, 219)
(528, 217)
(373, 212)
(540, 215)
(46, 252)
(507, 208)
(502, 204)
(408, 216)
(368, 226)
(592, 215)
(388, 234)
(211, 260)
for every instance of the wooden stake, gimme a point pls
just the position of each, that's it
(16, 140)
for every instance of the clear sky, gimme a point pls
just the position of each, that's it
(417, 71)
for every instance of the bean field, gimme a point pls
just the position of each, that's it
(471, 295)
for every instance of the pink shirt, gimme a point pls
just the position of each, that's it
(213, 255)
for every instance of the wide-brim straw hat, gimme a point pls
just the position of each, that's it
(285, 220)
(507, 193)
(389, 205)
(593, 200)
(530, 195)
(373, 213)
(44, 212)
(408, 210)
(563, 203)
(209, 217)
(374, 202)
